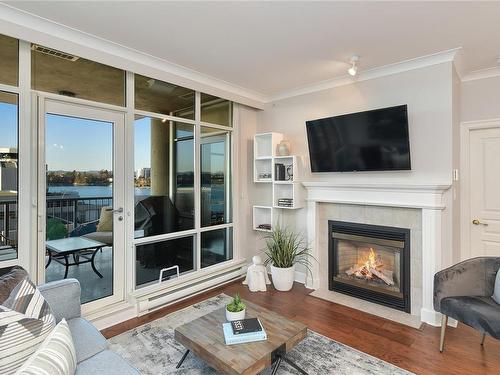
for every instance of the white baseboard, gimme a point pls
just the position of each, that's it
(300, 277)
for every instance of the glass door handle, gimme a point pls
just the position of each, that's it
(119, 210)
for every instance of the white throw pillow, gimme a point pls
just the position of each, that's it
(496, 291)
(56, 355)
(26, 320)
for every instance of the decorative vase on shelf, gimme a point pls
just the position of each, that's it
(284, 148)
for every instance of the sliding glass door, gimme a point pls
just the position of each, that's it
(81, 199)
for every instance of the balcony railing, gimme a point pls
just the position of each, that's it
(75, 211)
(70, 211)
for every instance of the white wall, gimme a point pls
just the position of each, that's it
(480, 99)
(426, 91)
(244, 194)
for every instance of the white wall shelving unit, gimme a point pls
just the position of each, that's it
(265, 159)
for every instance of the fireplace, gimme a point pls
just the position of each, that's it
(371, 262)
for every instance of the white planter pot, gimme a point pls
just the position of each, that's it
(283, 278)
(231, 316)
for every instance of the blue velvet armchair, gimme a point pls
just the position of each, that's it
(463, 292)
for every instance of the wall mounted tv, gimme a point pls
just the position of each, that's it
(374, 140)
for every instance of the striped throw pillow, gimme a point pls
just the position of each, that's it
(56, 356)
(25, 321)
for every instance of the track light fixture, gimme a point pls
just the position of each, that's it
(353, 69)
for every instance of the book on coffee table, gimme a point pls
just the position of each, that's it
(230, 338)
(249, 325)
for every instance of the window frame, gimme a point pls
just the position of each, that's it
(198, 228)
(26, 182)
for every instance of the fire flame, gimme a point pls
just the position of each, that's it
(366, 263)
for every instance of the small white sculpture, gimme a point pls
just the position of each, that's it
(257, 276)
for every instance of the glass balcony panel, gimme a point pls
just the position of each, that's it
(65, 74)
(9, 60)
(153, 95)
(8, 175)
(215, 176)
(153, 257)
(216, 110)
(164, 177)
(216, 246)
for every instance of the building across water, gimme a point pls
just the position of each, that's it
(8, 169)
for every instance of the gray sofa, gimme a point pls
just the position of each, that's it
(463, 292)
(92, 352)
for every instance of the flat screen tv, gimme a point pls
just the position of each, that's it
(374, 140)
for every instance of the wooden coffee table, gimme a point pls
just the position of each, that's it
(204, 337)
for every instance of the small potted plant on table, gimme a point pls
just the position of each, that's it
(236, 309)
(285, 249)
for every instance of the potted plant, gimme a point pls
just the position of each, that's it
(285, 249)
(236, 309)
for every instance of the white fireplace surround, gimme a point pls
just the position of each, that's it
(428, 198)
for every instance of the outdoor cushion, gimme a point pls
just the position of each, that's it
(88, 340)
(481, 313)
(105, 362)
(9, 281)
(56, 355)
(105, 220)
(104, 237)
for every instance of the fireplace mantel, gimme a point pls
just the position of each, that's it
(429, 198)
(392, 195)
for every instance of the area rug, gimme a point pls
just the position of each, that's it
(152, 349)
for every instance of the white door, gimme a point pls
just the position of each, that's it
(484, 192)
(81, 221)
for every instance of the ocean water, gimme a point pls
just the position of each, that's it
(93, 191)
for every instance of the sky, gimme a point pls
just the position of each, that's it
(8, 125)
(78, 144)
(81, 144)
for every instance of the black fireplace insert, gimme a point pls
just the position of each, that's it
(371, 262)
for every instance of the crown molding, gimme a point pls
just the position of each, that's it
(386, 70)
(482, 74)
(30, 27)
(27, 26)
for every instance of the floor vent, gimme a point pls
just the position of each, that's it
(54, 52)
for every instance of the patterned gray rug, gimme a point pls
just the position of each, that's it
(152, 349)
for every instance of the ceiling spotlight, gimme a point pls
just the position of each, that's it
(353, 69)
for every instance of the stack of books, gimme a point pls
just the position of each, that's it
(243, 331)
(285, 202)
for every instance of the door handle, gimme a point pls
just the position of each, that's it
(119, 210)
(477, 222)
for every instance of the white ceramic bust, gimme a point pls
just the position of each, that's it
(257, 276)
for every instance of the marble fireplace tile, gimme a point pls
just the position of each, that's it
(353, 213)
(377, 215)
(407, 218)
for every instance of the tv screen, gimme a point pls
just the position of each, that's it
(374, 140)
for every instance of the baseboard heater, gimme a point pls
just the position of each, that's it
(156, 302)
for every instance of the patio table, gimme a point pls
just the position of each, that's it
(79, 247)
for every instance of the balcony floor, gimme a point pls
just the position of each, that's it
(93, 287)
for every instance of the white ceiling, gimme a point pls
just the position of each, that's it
(274, 47)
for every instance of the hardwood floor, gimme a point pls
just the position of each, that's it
(411, 349)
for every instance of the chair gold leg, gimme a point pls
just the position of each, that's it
(482, 338)
(444, 323)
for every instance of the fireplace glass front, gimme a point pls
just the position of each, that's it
(370, 262)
